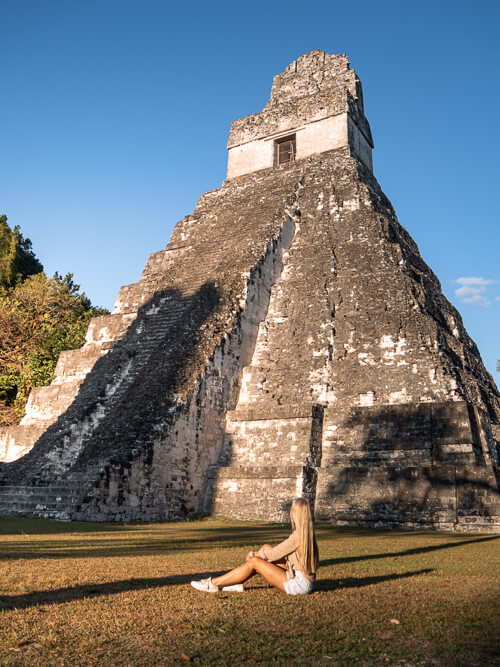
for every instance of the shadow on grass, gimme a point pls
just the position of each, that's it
(124, 548)
(360, 582)
(151, 540)
(26, 526)
(13, 525)
(63, 595)
(83, 544)
(408, 552)
(10, 525)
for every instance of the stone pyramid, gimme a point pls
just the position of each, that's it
(289, 340)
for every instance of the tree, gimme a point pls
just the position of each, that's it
(39, 318)
(17, 259)
(7, 252)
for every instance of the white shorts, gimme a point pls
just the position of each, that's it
(299, 585)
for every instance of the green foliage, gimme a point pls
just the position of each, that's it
(39, 318)
(17, 259)
(7, 252)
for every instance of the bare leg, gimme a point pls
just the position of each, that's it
(236, 576)
(274, 574)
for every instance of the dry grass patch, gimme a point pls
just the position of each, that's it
(87, 594)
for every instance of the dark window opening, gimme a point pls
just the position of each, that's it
(286, 148)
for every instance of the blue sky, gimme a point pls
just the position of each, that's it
(115, 116)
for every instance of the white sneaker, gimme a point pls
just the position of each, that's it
(205, 585)
(234, 588)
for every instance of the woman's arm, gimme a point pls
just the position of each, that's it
(273, 554)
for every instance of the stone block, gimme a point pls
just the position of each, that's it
(263, 493)
(16, 441)
(109, 328)
(75, 364)
(45, 404)
(391, 495)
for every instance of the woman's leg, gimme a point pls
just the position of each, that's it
(274, 574)
(236, 576)
(239, 574)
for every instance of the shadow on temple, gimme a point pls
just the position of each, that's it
(128, 397)
(414, 465)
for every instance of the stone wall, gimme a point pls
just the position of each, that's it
(323, 135)
(318, 98)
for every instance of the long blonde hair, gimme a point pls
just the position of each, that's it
(307, 552)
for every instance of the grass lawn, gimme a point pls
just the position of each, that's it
(88, 594)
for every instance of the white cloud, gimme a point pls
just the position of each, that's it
(474, 280)
(477, 300)
(472, 290)
(466, 291)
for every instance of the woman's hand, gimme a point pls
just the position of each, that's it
(260, 553)
(250, 555)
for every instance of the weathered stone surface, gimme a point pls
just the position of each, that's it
(319, 98)
(289, 340)
(15, 441)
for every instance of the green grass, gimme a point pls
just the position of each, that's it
(87, 594)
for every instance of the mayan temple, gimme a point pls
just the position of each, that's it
(289, 340)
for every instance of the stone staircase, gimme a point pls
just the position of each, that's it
(59, 499)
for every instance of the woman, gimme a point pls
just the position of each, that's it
(291, 566)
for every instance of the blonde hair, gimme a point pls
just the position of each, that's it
(307, 552)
